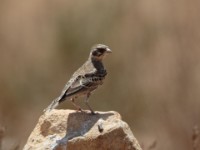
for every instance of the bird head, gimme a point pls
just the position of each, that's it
(99, 51)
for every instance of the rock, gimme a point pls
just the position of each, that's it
(72, 130)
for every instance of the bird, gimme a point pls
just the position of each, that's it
(85, 80)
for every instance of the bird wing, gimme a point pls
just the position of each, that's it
(73, 86)
(82, 83)
(76, 84)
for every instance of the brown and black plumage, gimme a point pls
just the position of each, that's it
(86, 79)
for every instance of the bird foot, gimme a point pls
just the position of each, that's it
(93, 113)
(79, 109)
(86, 111)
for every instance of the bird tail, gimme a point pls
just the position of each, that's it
(53, 105)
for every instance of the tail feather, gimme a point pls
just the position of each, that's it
(53, 105)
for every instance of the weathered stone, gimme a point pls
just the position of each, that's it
(71, 130)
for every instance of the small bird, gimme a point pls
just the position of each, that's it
(85, 80)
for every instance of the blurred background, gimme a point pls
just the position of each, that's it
(153, 73)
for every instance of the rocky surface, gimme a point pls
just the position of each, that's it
(72, 130)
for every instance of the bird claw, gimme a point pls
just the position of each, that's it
(85, 111)
(93, 113)
(79, 109)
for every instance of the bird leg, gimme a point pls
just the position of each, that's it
(87, 104)
(75, 105)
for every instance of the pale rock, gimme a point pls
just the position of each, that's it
(72, 130)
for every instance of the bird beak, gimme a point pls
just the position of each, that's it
(108, 50)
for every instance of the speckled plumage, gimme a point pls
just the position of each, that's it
(86, 79)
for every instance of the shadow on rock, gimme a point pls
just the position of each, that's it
(79, 123)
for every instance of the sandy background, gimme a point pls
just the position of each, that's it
(153, 73)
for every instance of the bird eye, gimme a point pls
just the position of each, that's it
(98, 52)
(94, 53)
(101, 50)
